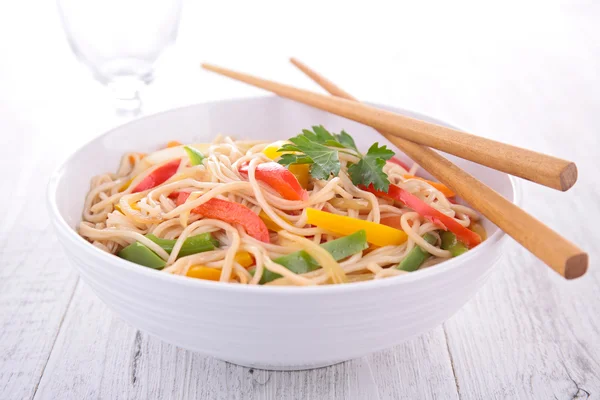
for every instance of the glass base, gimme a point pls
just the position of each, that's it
(126, 95)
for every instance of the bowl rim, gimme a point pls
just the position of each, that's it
(61, 225)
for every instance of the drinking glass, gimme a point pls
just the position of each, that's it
(120, 41)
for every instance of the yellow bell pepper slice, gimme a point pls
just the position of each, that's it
(351, 204)
(118, 207)
(244, 259)
(202, 272)
(212, 274)
(377, 234)
(271, 150)
(271, 225)
(126, 185)
(301, 171)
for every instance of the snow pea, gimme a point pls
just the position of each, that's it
(301, 262)
(191, 245)
(417, 256)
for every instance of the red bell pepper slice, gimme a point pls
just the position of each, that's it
(230, 212)
(279, 178)
(393, 222)
(158, 176)
(401, 163)
(467, 236)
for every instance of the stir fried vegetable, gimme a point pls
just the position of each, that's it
(279, 178)
(202, 272)
(140, 254)
(126, 185)
(393, 221)
(272, 150)
(232, 213)
(301, 262)
(479, 229)
(438, 185)
(191, 245)
(158, 176)
(452, 244)
(300, 171)
(377, 234)
(244, 259)
(170, 153)
(133, 206)
(445, 222)
(335, 242)
(399, 162)
(196, 157)
(269, 222)
(350, 204)
(417, 256)
(321, 149)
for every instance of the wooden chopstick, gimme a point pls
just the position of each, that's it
(537, 167)
(557, 252)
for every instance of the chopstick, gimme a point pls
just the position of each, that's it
(554, 250)
(537, 167)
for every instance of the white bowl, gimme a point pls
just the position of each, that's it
(281, 328)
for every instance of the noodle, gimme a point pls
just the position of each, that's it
(116, 216)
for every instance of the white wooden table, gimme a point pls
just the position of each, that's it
(523, 73)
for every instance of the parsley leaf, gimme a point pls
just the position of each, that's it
(288, 147)
(321, 149)
(347, 141)
(369, 170)
(322, 134)
(380, 152)
(288, 159)
(325, 160)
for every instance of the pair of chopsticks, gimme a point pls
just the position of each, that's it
(412, 136)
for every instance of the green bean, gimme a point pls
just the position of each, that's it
(417, 256)
(301, 262)
(140, 254)
(452, 244)
(192, 245)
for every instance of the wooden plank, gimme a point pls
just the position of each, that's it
(36, 281)
(98, 355)
(417, 369)
(529, 334)
(35, 289)
(535, 335)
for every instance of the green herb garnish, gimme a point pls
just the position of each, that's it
(321, 149)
